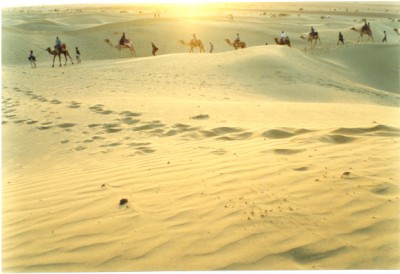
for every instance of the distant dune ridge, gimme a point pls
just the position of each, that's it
(263, 158)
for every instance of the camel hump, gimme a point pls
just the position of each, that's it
(64, 46)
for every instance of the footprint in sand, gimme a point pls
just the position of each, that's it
(19, 121)
(277, 134)
(115, 144)
(219, 152)
(99, 110)
(66, 125)
(112, 127)
(74, 104)
(236, 137)
(220, 131)
(45, 126)
(128, 113)
(96, 108)
(304, 168)
(55, 102)
(144, 150)
(149, 126)
(98, 138)
(337, 139)
(200, 117)
(129, 120)
(8, 111)
(287, 151)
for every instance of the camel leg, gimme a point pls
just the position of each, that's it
(59, 58)
(54, 58)
(69, 58)
(66, 58)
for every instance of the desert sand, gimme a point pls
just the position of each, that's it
(264, 158)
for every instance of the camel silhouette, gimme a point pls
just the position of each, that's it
(127, 45)
(279, 42)
(236, 45)
(365, 30)
(58, 52)
(194, 43)
(312, 37)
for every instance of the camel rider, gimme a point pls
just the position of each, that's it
(312, 31)
(58, 43)
(122, 40)
(365, 27)
(283, 37)
(237, 40)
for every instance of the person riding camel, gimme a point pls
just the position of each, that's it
(283, 37)
(58, 44)
(313, 32)
(194, 38)
(365, 27)
(236, 41)
(122, 40)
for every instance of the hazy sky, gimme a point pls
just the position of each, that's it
(27, 3)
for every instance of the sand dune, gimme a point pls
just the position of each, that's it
(264, 158)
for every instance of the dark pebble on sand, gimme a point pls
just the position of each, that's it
(123, 201)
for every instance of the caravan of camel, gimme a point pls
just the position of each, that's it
(124, 43)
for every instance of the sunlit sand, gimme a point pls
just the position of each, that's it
(265, 157)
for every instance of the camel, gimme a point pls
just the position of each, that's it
(127, 45)
(279, 41)
(194, 43)
(312, 37)
(363, 31)
(58, 52)
(240, 44)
